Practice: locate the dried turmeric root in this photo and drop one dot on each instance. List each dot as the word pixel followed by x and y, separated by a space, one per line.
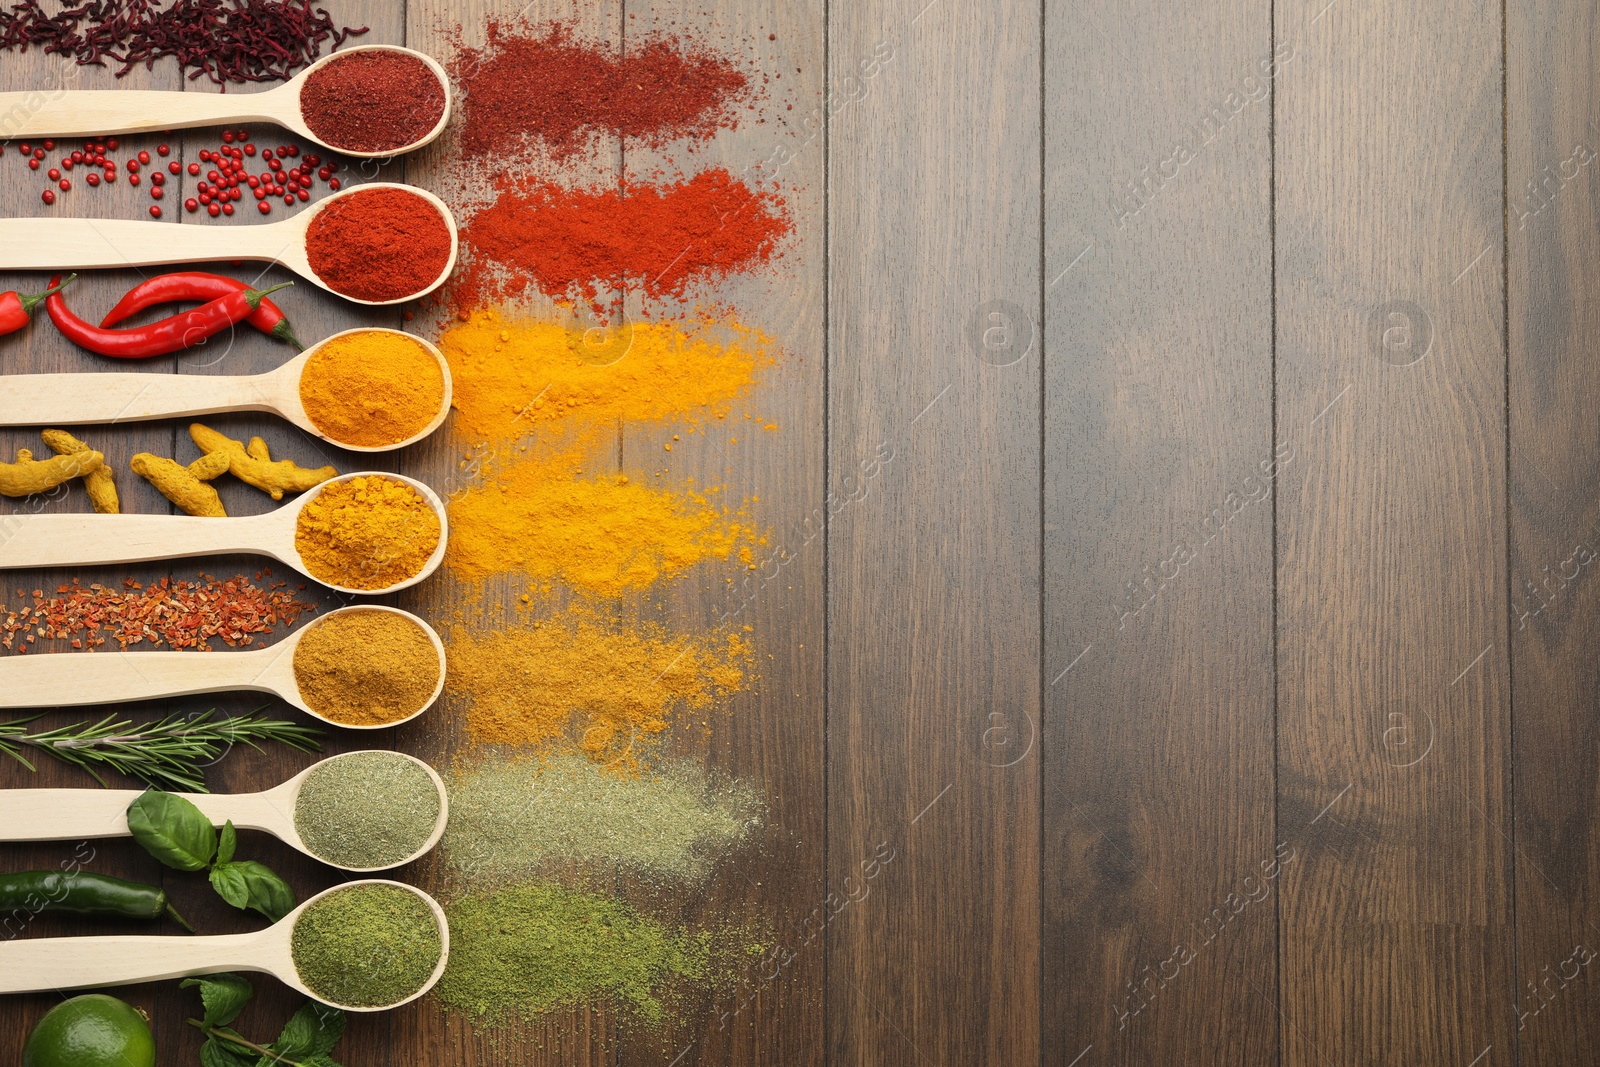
pixel 98 483
pixel 188 486
pixel 255 466
pixel 28 475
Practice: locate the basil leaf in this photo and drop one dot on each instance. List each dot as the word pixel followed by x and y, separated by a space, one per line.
pixel 227 842
pixel 224 996
pixel 216 1053
pixel 172 830
pixel 231 884
pixel 311 1031
pixel 248 884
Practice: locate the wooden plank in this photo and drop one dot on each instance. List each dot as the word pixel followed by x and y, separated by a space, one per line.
pixel 1552 223
pixel 1160 863
pixel 42 349
pixel 932 909
pixel 424 1032
pixel 771 737
pixel 1393 696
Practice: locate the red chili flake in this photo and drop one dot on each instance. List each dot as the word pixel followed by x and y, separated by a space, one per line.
pixel 179 614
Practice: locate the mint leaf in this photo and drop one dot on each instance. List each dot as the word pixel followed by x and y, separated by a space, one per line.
pixel 311 1031
pixel 227 842
pixel 216 1053
pixel 172 830
pixel 223 995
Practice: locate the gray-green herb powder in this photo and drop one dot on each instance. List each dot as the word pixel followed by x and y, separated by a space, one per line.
pixel 367 946
pixel 515 818
pixel 367 809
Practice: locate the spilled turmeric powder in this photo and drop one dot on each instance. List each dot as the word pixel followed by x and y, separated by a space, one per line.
pixel 604 534
pixel 581 682
pixel 512 376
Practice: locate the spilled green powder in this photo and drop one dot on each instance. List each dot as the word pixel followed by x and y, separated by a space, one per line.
pixel 525 950
pixel 517 818
pixel 367 946
pixel 366 810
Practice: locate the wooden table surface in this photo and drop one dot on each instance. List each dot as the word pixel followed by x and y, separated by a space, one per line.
pixel 1208 645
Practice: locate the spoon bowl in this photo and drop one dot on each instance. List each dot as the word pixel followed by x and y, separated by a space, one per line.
pixel 28 541
pixel 92 112
pixel 86 244
pixel 113 677
pixel 82 814
pixel 40 964
pixel 85 399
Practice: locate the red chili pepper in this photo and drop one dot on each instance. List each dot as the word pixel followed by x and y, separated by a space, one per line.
pixel 159 338
pixel 16 310
pixel 198 285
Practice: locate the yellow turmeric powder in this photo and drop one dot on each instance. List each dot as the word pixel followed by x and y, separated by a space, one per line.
pixel 28 475
pixel 511 376
pixel 372 388
pixel 580 681
pixel 606 534
pixel 366 533
pixel 99 483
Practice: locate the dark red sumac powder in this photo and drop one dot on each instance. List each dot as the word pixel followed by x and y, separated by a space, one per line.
pixel 544 83
pixel 378 244
pixel 660 239
pixel 376 100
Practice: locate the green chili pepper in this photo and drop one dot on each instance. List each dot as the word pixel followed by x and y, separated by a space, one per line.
pixel 84 894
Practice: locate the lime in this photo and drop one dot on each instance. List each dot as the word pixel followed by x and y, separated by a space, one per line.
pixel 91 1031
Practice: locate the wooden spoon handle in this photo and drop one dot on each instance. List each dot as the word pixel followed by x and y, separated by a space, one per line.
pixel 81 244
pixel 36 964
pixel 64 814
pixel 87 814
pixel 81 399
pixel 85 540
pixel 89 112
pixel 111 677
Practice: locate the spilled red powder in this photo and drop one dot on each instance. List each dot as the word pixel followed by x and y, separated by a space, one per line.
pixel 570 244
pixel 545 83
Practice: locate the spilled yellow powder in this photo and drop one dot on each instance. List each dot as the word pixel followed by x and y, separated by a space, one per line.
pixel 582 682
pixel 511 376
pixel 605 534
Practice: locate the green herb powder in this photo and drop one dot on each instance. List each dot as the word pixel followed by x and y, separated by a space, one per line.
pixel 366 810
pixel 515 818
pixel 367 946
pixel 530 949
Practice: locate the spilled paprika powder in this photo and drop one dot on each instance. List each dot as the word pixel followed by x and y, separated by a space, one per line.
pixel 663 239
pixel 545 83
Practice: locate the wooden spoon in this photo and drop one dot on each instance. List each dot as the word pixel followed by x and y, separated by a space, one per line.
pixel 88 540
pixel 80 814
pixel 82 244
pixel 81 399
pixel 92 112
pixel 113 677
pixel 40 964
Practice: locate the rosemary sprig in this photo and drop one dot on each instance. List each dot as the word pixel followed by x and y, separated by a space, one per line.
pixel 170 754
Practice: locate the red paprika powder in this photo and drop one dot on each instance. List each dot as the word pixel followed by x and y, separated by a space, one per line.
pixel 661 239
pixel 545 83
pixel 374 100
pixel 378 244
